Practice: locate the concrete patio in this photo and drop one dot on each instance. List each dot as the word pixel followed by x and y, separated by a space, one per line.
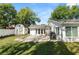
pixel 31 38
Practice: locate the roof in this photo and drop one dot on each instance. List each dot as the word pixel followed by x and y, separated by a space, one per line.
pixel 68 21
pixel 53 21
pixel 74 21
pixel 43 26
pixel 19 25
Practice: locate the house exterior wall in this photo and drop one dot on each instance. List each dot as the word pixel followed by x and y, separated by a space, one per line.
pixel 47 31
pixel 78 31
pixel 59 37
pixel 52 26
pixel 62 31
pixel 32 32
pixel 69 39
pixel 53 29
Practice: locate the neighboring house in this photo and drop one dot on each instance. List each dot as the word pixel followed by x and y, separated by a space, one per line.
pixel 66 30
pixel 39 29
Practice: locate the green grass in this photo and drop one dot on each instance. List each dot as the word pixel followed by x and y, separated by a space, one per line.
pixel 10 39
pixel 6 40
pixel 8 46
pixel 73 47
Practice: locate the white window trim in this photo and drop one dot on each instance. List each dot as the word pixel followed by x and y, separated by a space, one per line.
pixel 72 32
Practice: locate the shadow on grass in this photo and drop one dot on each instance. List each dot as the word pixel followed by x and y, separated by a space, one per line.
pixel 47 48
pixel 52 48
pixel 15 49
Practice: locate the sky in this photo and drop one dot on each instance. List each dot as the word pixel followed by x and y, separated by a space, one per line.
pixel 42 10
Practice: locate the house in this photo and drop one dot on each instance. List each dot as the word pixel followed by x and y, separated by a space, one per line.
pixel 39 29
pixel 67 30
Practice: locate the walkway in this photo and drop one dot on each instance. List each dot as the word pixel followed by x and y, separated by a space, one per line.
pixel 41 38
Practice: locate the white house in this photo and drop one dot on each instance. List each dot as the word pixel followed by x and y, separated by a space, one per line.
pixel 39 29
pixel 67 30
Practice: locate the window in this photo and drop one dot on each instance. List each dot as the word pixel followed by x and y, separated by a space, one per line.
pixel 41 31
pixel 44 31
pixel 38 31
pixel 74 31
pixel 71 31
pixel 68 31
pixel 57 30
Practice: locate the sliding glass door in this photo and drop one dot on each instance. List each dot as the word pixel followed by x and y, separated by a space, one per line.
pixel 71 31
pixel 74 31
pixel 68 31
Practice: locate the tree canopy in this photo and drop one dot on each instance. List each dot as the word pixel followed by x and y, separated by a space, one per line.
pixel 65 12
pixel 10 16
pixel 27 17
pixel 7 15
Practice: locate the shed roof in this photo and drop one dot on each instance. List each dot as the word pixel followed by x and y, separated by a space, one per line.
pixel 19 25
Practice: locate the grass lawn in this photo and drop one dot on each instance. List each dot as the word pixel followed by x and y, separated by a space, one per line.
pixel 10 39
pixel 8 46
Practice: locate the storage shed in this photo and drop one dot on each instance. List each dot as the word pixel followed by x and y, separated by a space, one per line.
pixel 19 29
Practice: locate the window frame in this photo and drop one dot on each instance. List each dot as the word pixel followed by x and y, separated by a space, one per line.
pixel 71 31
pixel 57 30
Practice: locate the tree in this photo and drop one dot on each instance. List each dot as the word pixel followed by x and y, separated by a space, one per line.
pixel 7 15
pixel 74 12
pixel 64 13
pixel 27 17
